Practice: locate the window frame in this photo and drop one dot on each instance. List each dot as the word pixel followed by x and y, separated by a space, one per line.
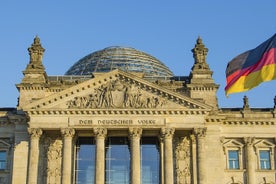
pixel 238 159
pixel 233 145
pixel 265 145
pixel 5 161
pixel 267 161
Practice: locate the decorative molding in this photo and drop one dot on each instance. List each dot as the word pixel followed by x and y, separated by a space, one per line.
pixel 250 122
pixel 135 132
pixel 249 141
pixel 35 132
pixel 167 133
pixel 200 132
pixel 119 112
pixel 193 138
pixel 68 132
pixel 182 157
pixel 100 132
pixel 53 159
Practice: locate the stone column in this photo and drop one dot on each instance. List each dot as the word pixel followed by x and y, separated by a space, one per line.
pixel 67 134
pixel 200 133
pixel 167 134
pixel 161 159
pixel 250 159
pixel 135 135
pixel 194 162
pixel 100 134
pixel 35 134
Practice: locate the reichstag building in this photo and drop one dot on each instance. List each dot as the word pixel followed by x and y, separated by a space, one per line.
pixel 120 116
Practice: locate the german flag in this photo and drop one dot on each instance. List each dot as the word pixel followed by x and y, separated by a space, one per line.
pixel 252 67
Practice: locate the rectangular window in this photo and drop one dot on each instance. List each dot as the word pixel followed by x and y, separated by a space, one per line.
pixel 117 161
pixel 3 160
pixel 233 159
pixel 150 160
pixel 264 159
pixel 85 160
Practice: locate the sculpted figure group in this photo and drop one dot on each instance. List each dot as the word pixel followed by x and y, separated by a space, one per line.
pixel 116 94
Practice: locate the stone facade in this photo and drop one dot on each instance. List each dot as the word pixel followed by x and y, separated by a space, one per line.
pixel 199 143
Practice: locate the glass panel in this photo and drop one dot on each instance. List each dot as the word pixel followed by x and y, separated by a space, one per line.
pixel 233 159
pixel 150 160
pixel 3 160
pixel 85 160
pixel 265 159
pixel 117 163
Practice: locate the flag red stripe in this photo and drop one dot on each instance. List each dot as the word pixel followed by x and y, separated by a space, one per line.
pixel 267 59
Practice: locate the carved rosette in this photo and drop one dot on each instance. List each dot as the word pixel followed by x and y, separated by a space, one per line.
pixel 100 132
pixel 167 133
pixel 182 157
pixel 35 133
pixel 68 132
pixel 135 132
pixel 200 132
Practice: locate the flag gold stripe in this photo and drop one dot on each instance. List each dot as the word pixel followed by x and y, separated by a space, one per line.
pixel 245 83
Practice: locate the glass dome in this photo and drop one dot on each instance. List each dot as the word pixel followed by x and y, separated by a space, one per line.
pixel 123 58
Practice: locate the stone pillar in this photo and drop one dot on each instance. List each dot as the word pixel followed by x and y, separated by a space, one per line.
pixel 194 162
pixel 67 134
pixel 35 134
pixel 135 135
pixel 200 133
pixel 100 134
pixel 161 160
pixel 250 159
pixel 167 134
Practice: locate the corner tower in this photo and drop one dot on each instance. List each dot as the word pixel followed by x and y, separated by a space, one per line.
pixel 202 85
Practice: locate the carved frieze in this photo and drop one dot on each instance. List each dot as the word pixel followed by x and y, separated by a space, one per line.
pixel 117 94
pixel 182 157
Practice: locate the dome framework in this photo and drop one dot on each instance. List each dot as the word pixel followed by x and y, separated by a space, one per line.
pixel 123 58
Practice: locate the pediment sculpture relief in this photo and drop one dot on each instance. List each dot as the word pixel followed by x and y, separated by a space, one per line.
pixel 117 94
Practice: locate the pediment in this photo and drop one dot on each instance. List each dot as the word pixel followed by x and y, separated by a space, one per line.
pixel 5 144
pixel 232 143
pixel 264 144
pixel 116 90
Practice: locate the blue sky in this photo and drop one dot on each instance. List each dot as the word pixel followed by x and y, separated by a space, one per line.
pixel 167 30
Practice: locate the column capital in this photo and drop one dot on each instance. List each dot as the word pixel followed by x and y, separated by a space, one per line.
pixel 249 140
pixel 100 132
pixel 35 132
pixel 200 132
pixel 67 132
pixel 167 132
pixel 193 138
pixel 135 132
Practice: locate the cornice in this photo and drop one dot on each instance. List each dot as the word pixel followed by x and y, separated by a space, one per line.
pixel 243 122
pixel 39 112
